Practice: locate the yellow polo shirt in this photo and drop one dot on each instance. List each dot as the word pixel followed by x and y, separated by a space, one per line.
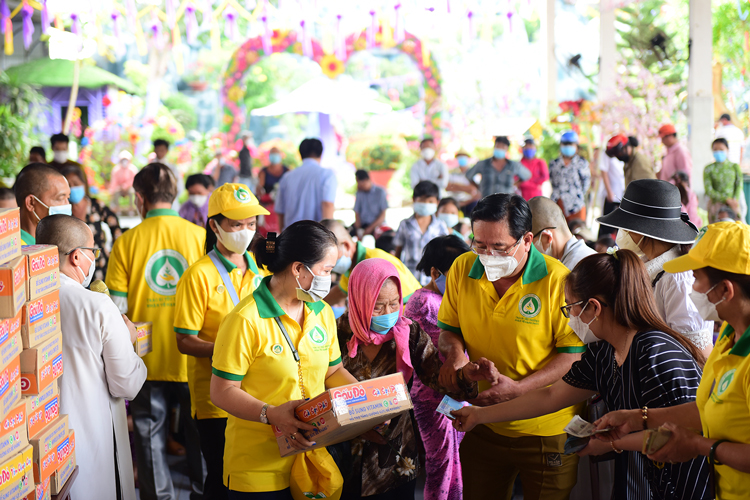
pixel 202 302
pixel 723 400
pixel 144 268
pixel 521 333
pixel 409 283
pixel 251 348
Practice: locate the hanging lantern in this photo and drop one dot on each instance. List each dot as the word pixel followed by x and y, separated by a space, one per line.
pixel 131 12
pixel 306 41
pixel 156 33
pixel 340 48
pixel 119 47
pixel 74 26
pixel 171 14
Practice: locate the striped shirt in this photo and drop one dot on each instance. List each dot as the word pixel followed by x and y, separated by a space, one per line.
pixel 658 372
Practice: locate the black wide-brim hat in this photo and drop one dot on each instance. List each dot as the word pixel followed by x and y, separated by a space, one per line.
pixel 652 208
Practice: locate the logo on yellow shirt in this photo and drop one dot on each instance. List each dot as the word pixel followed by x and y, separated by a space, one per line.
pixel 319 338
pixel 529 305
pixel 277 349
pixel 163 271
pixel 725 382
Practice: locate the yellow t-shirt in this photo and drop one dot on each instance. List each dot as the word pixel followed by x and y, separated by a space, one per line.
pixel 723 400
pixel 144 267
pixel 27 239
pixel 251 348
pixel 521 333
pixel 202 302
pixel 409 283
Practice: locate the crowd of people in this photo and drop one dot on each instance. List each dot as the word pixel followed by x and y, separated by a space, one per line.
pixel 489 292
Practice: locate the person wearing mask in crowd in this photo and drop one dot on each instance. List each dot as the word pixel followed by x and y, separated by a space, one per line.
pixel 121 181
pixel 733 135
pixel 376 339
pixel 552 236
pixel 161 150
pixel 570 177
pixel 309 191
pixel 37 154
pixel 40 191
pixel 604 243
pixel 351 253
pixel 255 377
pixel 222 171
pixel 499 174
pixel 715 424
pixel 538 168
pixel 459 188
pixel 145 266
pixel 101 368
pixel 506 285
pixel 428 167
pixel 722 180
pixel 637 166
pixel 415 232
pixel 633 359
pixel 199 188
pixel 102 221
pixel 650 224
pixel 677 158
pixel 246 162
pixel 449 212
pixel 688 198
pixel 7 198
pixel 370 205
pixel 268 179
pixel 441 441
pixel 199 309
pixel 60 152
pixel 612 186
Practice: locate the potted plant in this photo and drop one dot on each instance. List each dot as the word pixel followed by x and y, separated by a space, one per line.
pixel 381 156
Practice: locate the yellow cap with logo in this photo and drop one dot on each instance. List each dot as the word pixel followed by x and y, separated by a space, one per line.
pixel 724 246
pixel 234 201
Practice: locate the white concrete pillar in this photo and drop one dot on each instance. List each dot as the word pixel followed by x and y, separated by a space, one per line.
pixel 548 96
pixel 700 91
pixel 607 50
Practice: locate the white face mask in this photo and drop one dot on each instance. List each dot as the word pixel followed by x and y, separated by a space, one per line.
pixel 582 329
pixel 319 288
pixel 624 241
pixel 706 308
pixel 60 156
pixel 87 277
pixel 428 154
pixel 538 244
pixel 499 266
pixel 198 199
pixel 236 241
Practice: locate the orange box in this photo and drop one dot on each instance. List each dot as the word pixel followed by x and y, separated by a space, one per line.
pixel 345 412
pixel 13 435
pixel 21 489
pixel 62 474
pixel 66 448
pixel 41 319
pixel 12 287
pixel 10 234
pixel 43 265
pixel 41 365
pixel 42 409
pixel 143 343
pixel 45 448
pixel 15 467
pixel 10 387
pixel 40 492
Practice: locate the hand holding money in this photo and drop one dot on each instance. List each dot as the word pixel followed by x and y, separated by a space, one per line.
pixel 580 428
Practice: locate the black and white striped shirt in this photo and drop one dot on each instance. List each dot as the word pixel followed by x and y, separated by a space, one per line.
pixel 658 372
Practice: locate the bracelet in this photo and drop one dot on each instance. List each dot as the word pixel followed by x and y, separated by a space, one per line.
pixel 712 454
pixel 644 412
pixel 614 448
pixel 263 414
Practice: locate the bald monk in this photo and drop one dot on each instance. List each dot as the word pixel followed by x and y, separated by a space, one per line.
pixel 101 367
pixel 40 191
pixel 552 236
pixel 352 253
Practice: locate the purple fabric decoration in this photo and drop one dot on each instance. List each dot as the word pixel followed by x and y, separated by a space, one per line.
pixel 131 14
pixel 207 10
pixel 28 25
pixel 120 46
pixel 373 29
pixel 470 16
pixel 191 24
pixel 266 38
pixel 398 31
pixel 74 28
pixel 170 8
pixel 45 17
pixel 307 50
pixel 510 23
pixel 230 24
pixel 340 42
pixel 448 6
pixel 156 34
pixel 4 14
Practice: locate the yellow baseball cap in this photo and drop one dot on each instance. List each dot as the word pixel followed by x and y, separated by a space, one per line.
pixel 234 201
pixel 724 246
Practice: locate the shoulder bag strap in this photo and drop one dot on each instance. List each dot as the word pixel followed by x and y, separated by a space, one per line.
pixel 224 277
pixel 294 353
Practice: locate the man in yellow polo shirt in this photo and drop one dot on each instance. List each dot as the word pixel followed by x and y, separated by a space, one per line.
pixel 40 191
pixel 145 265
pixel 503 302
pixel 351 254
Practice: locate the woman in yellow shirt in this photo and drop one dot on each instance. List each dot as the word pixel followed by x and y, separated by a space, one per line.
pixel 207 292
pixel 276 348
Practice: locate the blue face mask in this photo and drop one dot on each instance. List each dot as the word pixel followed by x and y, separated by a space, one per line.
pixel 499 154
pixel 529 153
pixel 424 209
pixel 274 158
pixel 568 150
pixel 342 265
pixel 463 161
pixel 383 324
pixel 76 194
pixel 720 156
pixel 440 284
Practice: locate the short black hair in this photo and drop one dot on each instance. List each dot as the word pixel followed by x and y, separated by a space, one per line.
pixel 156 183
pixel 725 116
pixel 607 241
pixel 361 175
pixel 311 148
pixel 529 141
pixel 448 201
pixel 441 252
pixel 511 208
pixel 304 241
pixel 161 142
pixel 426 189
pixel 59 138
pixel 385 241
pixel 38 150
pixel 501 139
pixel 7 194
pixel 728 210
pixel 633 141
pixel 32 179
pixel 721 140
pixel 204 180
pixel 426 139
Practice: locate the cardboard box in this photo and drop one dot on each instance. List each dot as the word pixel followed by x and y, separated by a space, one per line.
pixel 41 365
pixel 343 413
pixel 13 434
pixel 12 287
pixel 42 409
pixel 10 234
pixel 15 467
pixel 143 343
pixel 22 489
pixel 41 319
pixel 61 476
pixel 10 338
pixel 65 449
pixel 45 448
pixel 10 386
pixel 40 491
pixel 43 265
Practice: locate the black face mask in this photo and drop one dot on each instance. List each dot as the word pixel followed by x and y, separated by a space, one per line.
pixel 623 157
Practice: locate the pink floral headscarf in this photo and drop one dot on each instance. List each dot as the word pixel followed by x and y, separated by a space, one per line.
pixel 365 283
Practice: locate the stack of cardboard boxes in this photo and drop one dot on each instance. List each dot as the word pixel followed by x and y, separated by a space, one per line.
pixel 37 447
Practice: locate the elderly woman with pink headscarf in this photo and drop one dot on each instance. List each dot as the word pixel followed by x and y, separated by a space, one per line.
pixel 377 340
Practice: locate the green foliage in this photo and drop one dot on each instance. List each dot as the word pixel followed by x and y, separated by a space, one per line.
pixel 167 127
pixel 728 39
pixel 276 75
pixel 137 72
pixel 378 153
pixel 202 152
pixel 19 111
pixel 182 110
pixel 208 67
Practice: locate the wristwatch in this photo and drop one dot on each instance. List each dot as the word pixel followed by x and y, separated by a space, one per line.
pixel 263 416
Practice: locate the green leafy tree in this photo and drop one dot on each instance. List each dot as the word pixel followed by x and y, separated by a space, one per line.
pixel 182 110
pixel 20 107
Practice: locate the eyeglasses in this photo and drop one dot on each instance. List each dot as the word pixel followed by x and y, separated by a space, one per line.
pixel 566 308
pixel 492 252
pixel 544 229
pixel 97 251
